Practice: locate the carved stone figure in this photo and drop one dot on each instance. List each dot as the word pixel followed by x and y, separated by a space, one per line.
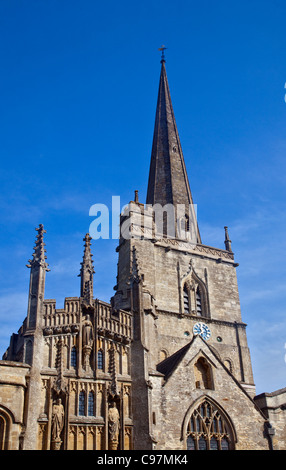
pixel 113 426
pixel 87 342
pixel 57 423
pixel 87 332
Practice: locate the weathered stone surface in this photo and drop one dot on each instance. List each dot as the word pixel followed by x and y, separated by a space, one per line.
pixel 166 365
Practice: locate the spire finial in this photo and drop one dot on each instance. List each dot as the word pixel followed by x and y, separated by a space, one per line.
pixel 168 180
pixel 162 49
pixel 39 255
pixel 227 241
pixel 136 199
pixel 87 271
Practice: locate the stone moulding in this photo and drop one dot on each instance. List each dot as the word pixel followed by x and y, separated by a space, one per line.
pixel 201 318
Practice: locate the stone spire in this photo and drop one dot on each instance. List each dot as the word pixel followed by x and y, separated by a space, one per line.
pixel 38 266
pixel 87 271
pixel 39 257
pixel 33 337
pixel 168 179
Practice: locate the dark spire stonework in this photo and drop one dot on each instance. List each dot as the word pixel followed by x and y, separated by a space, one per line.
pixel 227 240
pixel 87 271
pixel 39 257
pixel 39 267
pixel 168 180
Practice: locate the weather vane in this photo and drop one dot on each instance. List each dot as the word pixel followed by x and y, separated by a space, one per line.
pixel 162 49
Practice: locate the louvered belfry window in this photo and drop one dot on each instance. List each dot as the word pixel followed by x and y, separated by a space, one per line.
pixel 186 300
pixel 198 302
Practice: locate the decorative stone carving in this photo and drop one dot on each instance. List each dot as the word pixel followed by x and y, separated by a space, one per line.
pixel 113 426
pixel 87 341
pixel 87 332
pixel 57 424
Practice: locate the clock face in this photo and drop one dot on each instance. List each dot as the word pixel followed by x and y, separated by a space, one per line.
pixel 202 330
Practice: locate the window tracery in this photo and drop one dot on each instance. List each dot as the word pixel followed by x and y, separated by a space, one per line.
pixel 195 296
pixel 5 424
pixel 208 429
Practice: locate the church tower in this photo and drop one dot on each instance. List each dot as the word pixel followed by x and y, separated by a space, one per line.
pixel 184 298
pixel 165 365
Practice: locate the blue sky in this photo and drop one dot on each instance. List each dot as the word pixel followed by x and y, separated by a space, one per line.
pixel 79 84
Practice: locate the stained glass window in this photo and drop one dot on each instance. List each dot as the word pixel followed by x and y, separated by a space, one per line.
pixel 208 429
pixel 191 443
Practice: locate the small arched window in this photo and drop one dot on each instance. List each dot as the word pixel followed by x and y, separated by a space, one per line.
pixel 73 358
pixel 203 374
pixel 81 403
pixel 5 429
pixel 90 410
pixel 162 355
pixel 194 296
pixel 100 359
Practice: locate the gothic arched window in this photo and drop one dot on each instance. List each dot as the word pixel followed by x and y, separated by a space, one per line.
pixel 203 374
pixel 195 297
pixel 73 357
pixel 90 410
pixel 81 403
pixel 100 359
pixel 5 425
pixel 208 429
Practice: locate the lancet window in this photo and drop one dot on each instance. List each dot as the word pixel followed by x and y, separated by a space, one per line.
pixel 91 404
pixel 73 357
pixel 81 403
pixel 5 424
pixel 203 374
pixel 100 359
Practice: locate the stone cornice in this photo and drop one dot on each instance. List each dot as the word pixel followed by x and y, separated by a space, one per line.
pixel 203 319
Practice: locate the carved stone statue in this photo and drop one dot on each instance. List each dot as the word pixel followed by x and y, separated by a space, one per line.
pixel 87 341
pixel 113 426
pixel 87 332
pixel 57 423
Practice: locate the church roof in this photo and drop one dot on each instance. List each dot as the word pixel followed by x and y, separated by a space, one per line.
pixel 169 364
